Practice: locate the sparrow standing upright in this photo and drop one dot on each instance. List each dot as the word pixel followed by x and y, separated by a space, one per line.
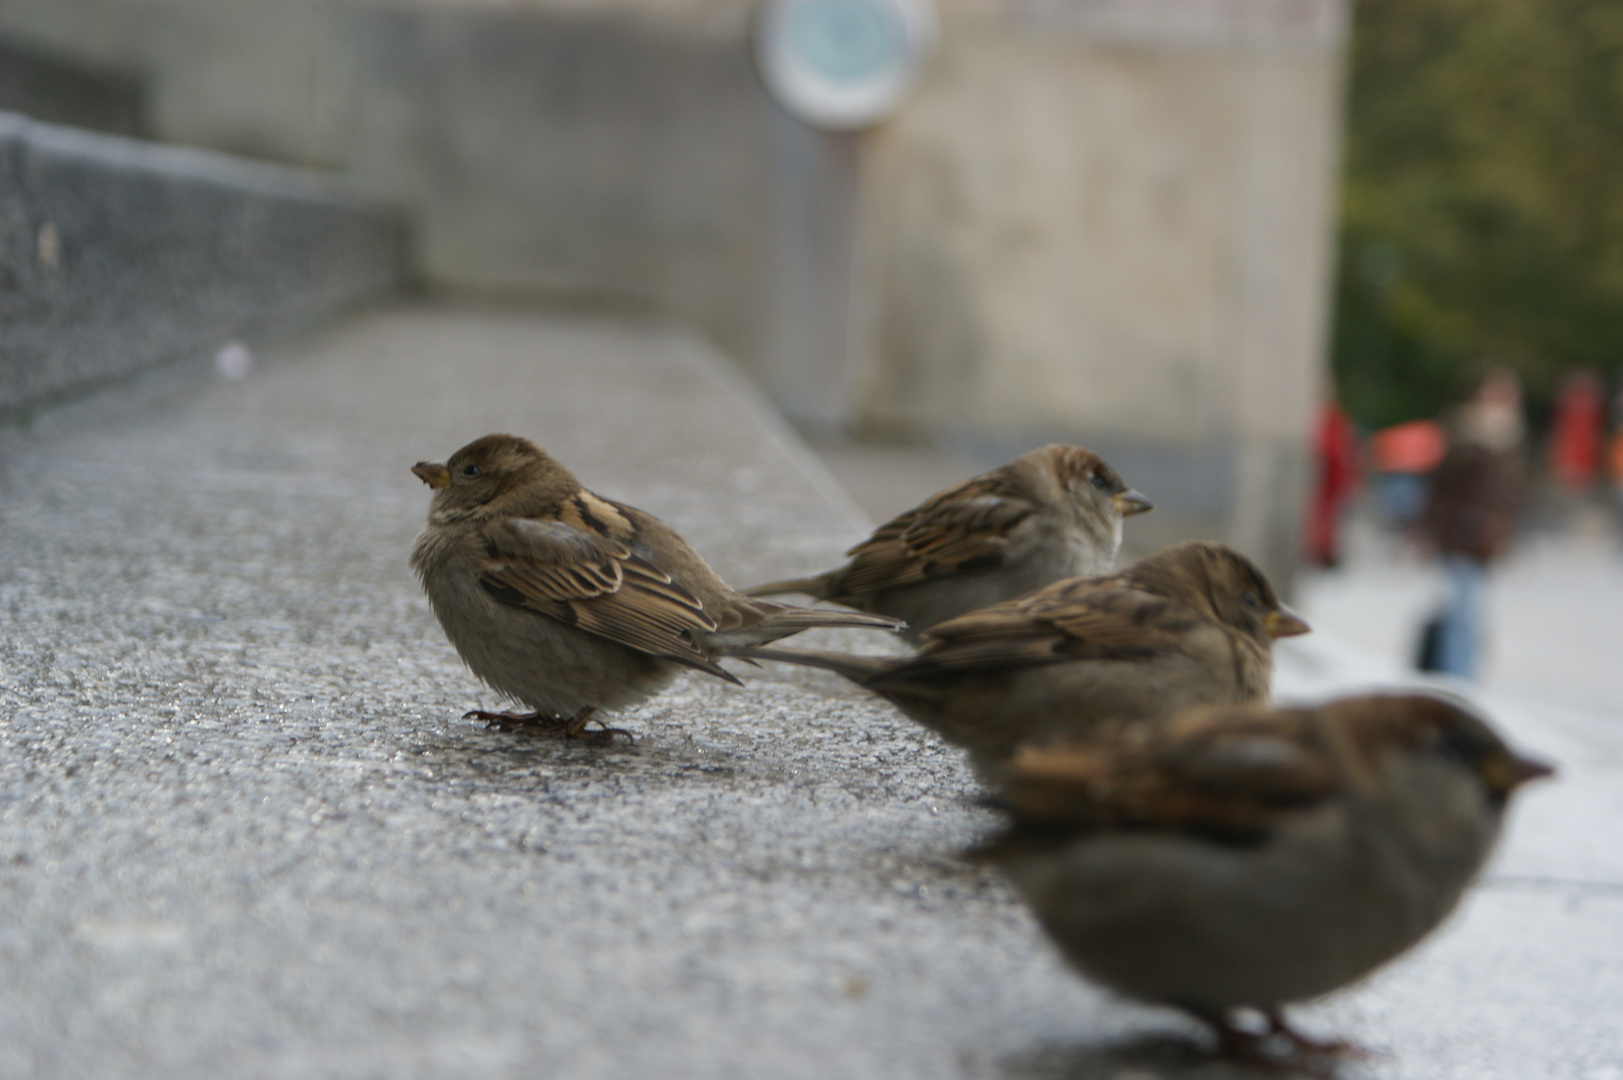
pixel 569 602
pixel 1233 858
pixel 1190 624
pixel 1052 513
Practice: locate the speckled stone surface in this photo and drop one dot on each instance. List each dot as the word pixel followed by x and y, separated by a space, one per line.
pixel 244 831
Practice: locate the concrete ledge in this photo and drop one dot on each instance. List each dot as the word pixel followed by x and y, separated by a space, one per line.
pixel 245 833
pixel 117 254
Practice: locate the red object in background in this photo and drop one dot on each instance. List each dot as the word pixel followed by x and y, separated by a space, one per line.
pixel 1415 447
pixel 1575 431
pixel 1337 480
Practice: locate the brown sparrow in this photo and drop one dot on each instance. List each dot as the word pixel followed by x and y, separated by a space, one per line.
pixel 1190 624
pixel 1236 858
pixel 569 602
pixel 1052 513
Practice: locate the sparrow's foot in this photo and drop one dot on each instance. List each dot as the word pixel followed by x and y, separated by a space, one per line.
pixel 1260 1049
pixel 1308 1045
pixel 513 721
pixel 575 728
pixel 540 723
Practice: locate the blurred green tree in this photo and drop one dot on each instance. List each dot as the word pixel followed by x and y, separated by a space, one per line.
pixel 1482 213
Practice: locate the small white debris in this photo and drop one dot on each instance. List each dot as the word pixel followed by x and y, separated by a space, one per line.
pixel 49 248
pixel 234 361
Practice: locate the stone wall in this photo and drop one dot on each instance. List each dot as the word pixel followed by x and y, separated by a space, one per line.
pixel 587 153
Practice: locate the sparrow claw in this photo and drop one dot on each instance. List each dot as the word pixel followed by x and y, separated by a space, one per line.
pixel 1308 1045
pixel 602 735
pixel 576 728
pixel 1259 1049
pixel 512 721
pixel 570 727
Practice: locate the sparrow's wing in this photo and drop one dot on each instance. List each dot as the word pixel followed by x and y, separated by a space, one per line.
pixel 594 582
pixel 1089 619
pixel 1220 773
pixel 964 528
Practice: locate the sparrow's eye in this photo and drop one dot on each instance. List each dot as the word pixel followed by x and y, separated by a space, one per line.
pixel 1101 482
pixel 1249 599
pixel 470 470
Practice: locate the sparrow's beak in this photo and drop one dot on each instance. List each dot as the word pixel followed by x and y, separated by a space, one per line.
pixel 433 474
pixel 1284 623
pixel 1130 502
pixel 1504 773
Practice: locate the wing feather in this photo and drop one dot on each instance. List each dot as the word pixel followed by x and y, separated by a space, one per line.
pixel 1082 619
pixel 1224 773
pixel 960 528
pixel 595 582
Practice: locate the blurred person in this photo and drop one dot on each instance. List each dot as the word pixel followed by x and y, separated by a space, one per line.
pixel 1404 454
pixel 1337 445
pixel 1614 455
pixel 1575 432
pixel 1474 499
pixel 1614 467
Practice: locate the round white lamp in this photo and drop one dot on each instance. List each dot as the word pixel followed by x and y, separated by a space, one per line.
pixel 843 65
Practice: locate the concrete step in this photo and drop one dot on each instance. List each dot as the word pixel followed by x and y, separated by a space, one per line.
pixel 116 255
pixel 244 831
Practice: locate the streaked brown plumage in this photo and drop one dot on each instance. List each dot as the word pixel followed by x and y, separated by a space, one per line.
pixel 569 602
pixel 1190 624
pixel 1052 513
pixel 1236 857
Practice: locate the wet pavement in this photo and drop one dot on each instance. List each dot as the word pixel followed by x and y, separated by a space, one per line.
pixel 244 831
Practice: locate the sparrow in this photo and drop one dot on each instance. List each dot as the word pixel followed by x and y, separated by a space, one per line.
pixel 569 602
pixel 1052 513
pixel 1227 859
pixel 1190 624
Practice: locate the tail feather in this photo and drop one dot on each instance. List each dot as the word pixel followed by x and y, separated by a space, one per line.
pixel 809 586
pixel 855 668
pixel 779 621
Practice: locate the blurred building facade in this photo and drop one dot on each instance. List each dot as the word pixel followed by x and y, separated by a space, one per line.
pixel 1103 221
pixel 1113 222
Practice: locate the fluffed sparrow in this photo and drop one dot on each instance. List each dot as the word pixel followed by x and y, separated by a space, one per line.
pixel 1190 624
pixel 1238 858
pixel 569 602
pixel 1052 513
